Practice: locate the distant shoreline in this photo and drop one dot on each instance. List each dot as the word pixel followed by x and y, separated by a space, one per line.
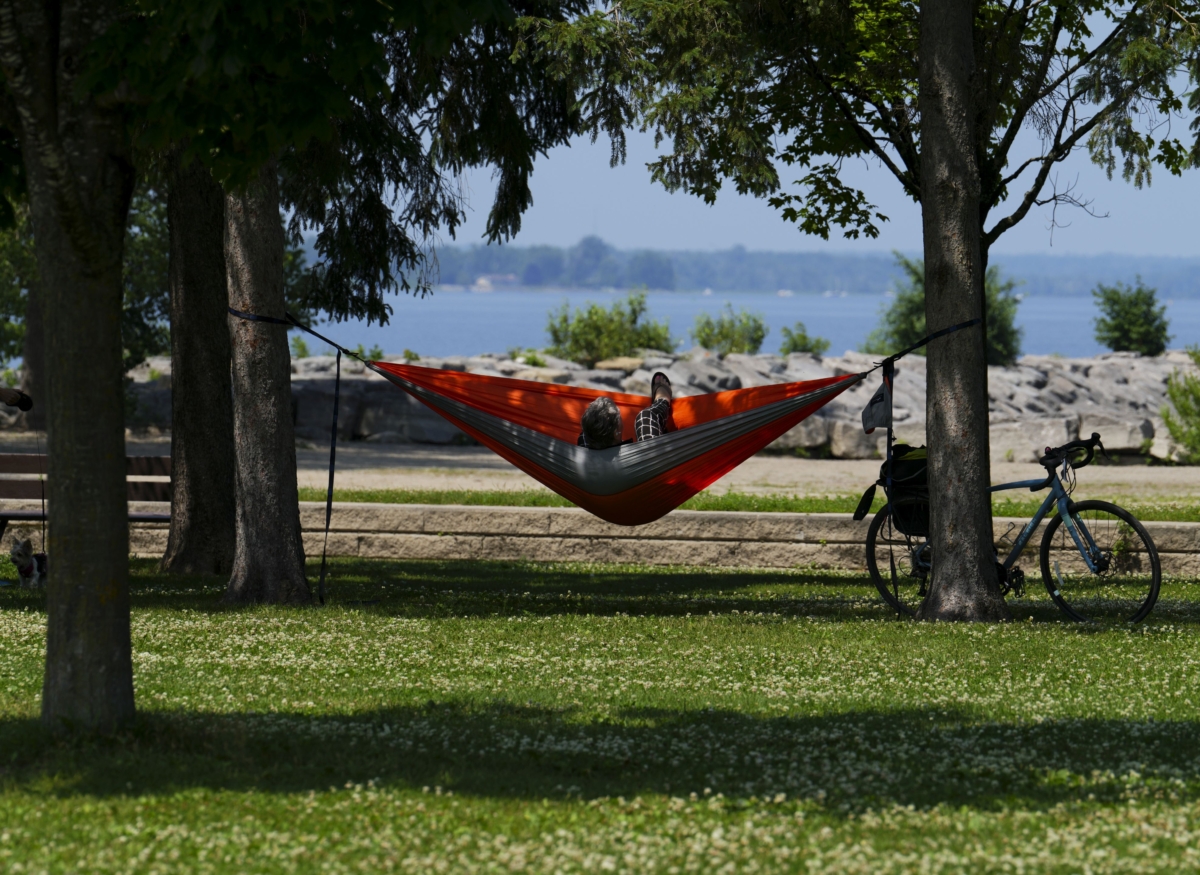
pixel 594 266
pixel 613 290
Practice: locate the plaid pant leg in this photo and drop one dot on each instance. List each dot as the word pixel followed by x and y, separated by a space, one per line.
pixel 652 422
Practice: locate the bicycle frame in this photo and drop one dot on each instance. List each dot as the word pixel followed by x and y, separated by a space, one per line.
pixel 1057 498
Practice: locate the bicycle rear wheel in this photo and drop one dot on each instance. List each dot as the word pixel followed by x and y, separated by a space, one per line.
pixel 910 557
pixel 1124 585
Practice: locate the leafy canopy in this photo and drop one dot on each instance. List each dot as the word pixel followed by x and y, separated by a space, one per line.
pixel 1131 319
pixel 372 112
pixel 739 88
pixel 145 312
pixel 592 335
pixel 146 306
pixel 18 273
pixel 903 322
pixel 730 332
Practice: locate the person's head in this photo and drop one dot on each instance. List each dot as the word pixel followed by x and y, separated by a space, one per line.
pixel 602 424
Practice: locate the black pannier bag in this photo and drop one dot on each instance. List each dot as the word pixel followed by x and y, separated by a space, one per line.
pixel 909 495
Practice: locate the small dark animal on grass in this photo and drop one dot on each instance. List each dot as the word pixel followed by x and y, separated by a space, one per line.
pixel 30 566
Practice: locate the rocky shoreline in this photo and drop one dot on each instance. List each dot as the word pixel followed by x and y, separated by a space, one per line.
pixel 1042 400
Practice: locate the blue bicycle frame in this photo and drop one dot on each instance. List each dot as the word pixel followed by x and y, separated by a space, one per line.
pixel 1057 497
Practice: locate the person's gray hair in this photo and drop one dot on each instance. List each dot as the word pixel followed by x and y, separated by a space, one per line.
pixel 602 424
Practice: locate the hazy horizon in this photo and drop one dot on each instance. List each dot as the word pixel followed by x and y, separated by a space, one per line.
pixel 839 253
pixel 577 194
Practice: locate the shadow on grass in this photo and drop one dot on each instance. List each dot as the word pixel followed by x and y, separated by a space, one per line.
pixel 846 762
pixel 431 589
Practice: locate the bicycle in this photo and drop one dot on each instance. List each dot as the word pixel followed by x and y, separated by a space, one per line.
pixel 1097 560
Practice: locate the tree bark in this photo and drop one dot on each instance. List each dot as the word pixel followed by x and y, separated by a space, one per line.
pixel 203 506
pixel 33 369
pixel 964 584
pixel 80 179
pixel 268 563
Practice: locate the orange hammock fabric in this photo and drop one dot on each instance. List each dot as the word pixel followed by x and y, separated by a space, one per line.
pixel 714 433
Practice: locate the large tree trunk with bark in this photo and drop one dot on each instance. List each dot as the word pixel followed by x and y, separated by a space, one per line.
pixel 33 368
pixel 964 584
pixel 268 563
pixel 203 507
pixel 77 161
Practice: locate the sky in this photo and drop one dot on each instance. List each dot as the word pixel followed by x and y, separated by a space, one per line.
pixel 576 193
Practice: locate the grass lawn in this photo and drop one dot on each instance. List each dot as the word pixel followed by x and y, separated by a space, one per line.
pixel 1183 510
pixel 497 717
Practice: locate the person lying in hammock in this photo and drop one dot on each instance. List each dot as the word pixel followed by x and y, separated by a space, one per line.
pixel 602 420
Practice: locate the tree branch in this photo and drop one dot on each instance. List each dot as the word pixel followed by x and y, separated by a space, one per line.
pixel 1087 59
pixel 1023 106
pixel 1066 197
pixel 1061 149
pixel 906 178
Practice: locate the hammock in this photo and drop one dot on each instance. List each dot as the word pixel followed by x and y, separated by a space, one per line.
pixel 535 425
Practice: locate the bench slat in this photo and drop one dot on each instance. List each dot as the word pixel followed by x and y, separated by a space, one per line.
pixel 148 490
pixel 22 463
pixel 20 489
pixel 148 466
pixel 34 463
pixel 136 490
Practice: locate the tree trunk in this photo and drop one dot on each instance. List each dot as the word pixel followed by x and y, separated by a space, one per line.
pixel 964 584
pixel 268 564
pixel 33 369
pixel 80 178
pixel 203 507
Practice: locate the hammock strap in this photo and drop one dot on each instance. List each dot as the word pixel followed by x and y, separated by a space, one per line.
pixel 924 340
pixel 889 375
pixel 337 386
pixel 292 322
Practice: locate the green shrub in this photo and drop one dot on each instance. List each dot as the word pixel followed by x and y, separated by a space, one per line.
pixel 588 336
pixel 730 332
pixel 797 340
pixel 375 353
pixel 1183 391
pixel 903 323
pixel 527 357
pixel 1131 319
pixel 410 356
pixel 299 348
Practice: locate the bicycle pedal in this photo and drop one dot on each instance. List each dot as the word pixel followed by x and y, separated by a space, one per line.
pixel 1016 581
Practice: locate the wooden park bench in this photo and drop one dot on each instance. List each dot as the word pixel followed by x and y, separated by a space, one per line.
pixel 13 486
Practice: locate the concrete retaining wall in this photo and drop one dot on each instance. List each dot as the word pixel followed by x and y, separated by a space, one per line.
pixel 761 540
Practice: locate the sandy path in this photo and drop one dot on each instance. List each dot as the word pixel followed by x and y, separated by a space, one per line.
pixel 424 467
pixel 418 466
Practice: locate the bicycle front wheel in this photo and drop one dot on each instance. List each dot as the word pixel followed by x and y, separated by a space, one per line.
pixel 1124 580
pixel 899 564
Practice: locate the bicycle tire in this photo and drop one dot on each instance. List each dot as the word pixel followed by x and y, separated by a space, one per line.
pixel 900 549
pixel 1126 589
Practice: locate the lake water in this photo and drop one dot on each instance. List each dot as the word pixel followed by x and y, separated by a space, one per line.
pixel 467 323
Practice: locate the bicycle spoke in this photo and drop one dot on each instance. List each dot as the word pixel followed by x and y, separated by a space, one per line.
pixel 1123 580
pixel 898 564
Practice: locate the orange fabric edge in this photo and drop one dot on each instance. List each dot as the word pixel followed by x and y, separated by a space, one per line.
pixel 557 410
